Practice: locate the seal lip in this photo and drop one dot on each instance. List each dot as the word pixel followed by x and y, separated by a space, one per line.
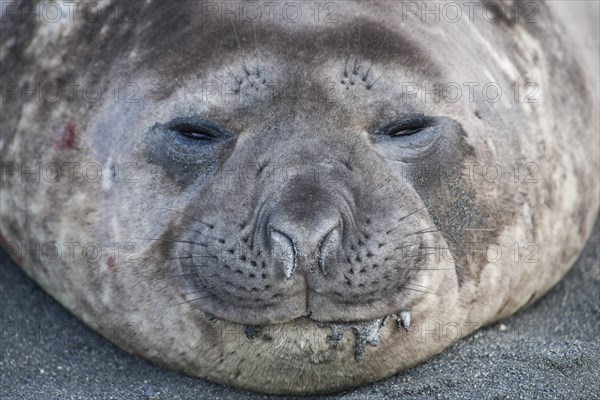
pixel 290 308
pixel 308 317
pixel 319 309
pixel 323 309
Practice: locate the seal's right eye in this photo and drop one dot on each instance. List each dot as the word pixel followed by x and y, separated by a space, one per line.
pixel 410 137
pixel 200 130
pixel 189 148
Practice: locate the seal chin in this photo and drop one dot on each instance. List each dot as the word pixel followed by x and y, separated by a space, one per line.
pixel 365 331
pixel 365 319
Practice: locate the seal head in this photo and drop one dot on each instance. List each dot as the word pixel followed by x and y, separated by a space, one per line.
pixel 293 207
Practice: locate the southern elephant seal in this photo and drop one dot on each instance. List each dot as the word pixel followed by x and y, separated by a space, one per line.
pixel 300 202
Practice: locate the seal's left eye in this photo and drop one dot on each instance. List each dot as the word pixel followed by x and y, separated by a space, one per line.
pixel 406 126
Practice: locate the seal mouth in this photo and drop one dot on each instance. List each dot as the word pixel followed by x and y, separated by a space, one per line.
pixel 366 332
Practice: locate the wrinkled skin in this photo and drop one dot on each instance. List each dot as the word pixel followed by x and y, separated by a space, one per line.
pixel 281 206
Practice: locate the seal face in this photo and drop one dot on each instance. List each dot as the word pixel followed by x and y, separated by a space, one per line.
pixel 318 243
pixel 296 200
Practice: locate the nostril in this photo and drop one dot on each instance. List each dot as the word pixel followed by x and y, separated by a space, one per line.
pixel 328 248
pixel 301 239
pixel 283 249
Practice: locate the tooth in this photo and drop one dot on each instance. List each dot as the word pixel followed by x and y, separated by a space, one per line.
pixel 404 320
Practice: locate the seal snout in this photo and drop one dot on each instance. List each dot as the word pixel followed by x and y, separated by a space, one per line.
pixel 310 243
pixel 303 227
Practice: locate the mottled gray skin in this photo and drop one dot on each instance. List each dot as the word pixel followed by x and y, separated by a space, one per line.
pixel 275 255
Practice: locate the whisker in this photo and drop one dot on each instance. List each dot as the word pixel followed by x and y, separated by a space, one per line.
pixel 209 226
pixel 416 284
pixel 370 85
pixel 472 229
pixel 202 234
pixel 418 255
pixel 366 75
pixel 417 290
pixel 412 213
pixel 175 258
pixel 426 230
pixel 256 50
pixel 403 218
pixel 347 58
pixel 357 57
pixel 238 81
pixel 420 231
pixel 219 79
pixel 351 152
pixel 174 241
pixel 187 215
pixel 239 46
pixel 182 275
pixel 189 301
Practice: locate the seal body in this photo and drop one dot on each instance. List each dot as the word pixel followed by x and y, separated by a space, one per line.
pixel 297 204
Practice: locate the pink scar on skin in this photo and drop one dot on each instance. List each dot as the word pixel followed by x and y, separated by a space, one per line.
pixel 67 138
pixel 111 263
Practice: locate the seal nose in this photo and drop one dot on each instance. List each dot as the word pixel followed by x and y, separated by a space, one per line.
pixel 311 241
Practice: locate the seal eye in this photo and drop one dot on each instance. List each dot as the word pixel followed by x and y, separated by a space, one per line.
pixel 406 126
pixel 409 137
pixel 405 131
pixel 196 131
